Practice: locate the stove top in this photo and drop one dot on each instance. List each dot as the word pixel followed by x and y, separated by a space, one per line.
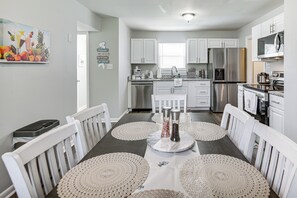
pixel 264 87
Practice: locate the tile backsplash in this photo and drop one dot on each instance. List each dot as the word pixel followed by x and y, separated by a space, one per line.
pixel 274 66
pixel 154 68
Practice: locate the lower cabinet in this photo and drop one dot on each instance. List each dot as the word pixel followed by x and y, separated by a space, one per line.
pixel 240 97
pixel 276 112
pixel 198 92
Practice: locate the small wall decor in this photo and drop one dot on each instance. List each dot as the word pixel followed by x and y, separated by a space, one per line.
pixel 23 44
pixel 103 55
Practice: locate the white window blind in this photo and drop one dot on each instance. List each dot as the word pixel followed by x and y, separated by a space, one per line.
pixel 172 54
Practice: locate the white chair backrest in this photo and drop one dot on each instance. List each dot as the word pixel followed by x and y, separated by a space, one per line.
pixel 36 167
pixel 239 125
pixel 276 157
pixel 176 101
pixel 91 122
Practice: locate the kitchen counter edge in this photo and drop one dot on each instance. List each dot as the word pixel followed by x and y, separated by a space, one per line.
pixel 184 79
pixel 277 93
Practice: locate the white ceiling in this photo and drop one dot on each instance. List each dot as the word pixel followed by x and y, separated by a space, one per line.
pixel 165 15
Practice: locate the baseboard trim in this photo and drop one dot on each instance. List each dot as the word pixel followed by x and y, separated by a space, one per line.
pixel 117 119
pixel 8 192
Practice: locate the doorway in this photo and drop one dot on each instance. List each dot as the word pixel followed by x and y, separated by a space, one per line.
pixel 82 71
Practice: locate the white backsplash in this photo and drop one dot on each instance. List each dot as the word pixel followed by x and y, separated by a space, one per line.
pixel 274 66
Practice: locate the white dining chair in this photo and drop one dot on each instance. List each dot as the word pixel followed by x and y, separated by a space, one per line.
pixel 275 158
pixel 176 101
pixel 37 167
pixel 239 125
pixel 91 120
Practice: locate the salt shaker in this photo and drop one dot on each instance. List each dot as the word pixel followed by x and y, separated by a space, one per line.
pixel 166 118
pixel 175 125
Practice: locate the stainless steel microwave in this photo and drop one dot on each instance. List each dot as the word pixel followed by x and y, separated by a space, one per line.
pixel 271 47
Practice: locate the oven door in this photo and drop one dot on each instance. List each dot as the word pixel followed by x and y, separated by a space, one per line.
pixel 262 107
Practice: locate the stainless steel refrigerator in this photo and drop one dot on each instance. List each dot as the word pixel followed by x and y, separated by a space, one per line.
pixel 226 68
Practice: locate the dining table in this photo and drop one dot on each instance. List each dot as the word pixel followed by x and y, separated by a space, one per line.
pixel 109 144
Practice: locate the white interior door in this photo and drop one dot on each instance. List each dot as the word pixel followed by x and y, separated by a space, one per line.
pixel 82 71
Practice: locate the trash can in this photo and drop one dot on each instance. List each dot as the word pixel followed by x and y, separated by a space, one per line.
pixel 31 131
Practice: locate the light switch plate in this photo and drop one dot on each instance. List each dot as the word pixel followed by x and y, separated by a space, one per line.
pixel 109 66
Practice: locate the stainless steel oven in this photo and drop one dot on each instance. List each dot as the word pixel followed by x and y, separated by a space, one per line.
pixel 262 104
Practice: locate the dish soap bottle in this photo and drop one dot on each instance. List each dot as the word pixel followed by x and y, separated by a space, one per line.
pixel 159 74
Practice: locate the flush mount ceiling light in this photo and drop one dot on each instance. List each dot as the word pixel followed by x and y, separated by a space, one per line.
pixel 188 16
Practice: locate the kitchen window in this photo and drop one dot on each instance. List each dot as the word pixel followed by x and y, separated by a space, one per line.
pixel 172 54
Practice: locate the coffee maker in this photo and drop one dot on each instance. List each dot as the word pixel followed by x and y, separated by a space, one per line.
pixel 137 73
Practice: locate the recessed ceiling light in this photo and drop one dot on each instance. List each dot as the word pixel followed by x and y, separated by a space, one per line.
pixel 188 16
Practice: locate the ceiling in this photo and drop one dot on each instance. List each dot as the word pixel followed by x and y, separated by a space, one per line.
pixel 165 15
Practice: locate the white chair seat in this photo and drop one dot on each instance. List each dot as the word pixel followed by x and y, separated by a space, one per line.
pixel 91 121
pixel 276 157
pixel 176 101
pixel 239 127
pixel 37 167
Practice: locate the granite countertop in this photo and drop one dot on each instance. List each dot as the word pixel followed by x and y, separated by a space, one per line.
pixel 170 79
pixel 277 93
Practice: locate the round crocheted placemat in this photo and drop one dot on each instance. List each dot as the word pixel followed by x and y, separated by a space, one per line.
pixel 158 193
pixel 222 176
pixel 204 131
pixel 135 130
pixel 184 118
pixel 109 175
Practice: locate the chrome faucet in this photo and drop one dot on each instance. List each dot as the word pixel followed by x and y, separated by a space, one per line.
pixel 173 68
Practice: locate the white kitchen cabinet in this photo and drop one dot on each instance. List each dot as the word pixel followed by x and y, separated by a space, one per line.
pixel 240 97
pixel 256 34
pixel 276 112
pixel 143 51
pixel 199 94
pixel 222 43
pixel 273 25
pixel 167 87
pixel 196 51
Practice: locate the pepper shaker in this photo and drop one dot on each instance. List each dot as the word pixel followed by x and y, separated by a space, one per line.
pixel 175 125
pixel 166 118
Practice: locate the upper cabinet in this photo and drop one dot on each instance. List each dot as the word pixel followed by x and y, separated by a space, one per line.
pixel 196 51
pixel 256 33
pixel 274 25
pixel 222 43
pixel 269 27
pixel 143 51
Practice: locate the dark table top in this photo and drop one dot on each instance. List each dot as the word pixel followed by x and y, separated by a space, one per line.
pixel 109 144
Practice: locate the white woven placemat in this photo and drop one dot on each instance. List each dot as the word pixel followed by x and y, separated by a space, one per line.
pixel 109 175
pixel 184 118
pixel 135 130
pixel 222 176
pixel 158 193
pixel 204 131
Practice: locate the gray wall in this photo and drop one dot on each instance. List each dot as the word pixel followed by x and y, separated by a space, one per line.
pixel 31 92
pixel 110 85
pixel 104 82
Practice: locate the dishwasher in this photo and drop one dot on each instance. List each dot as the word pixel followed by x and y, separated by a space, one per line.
pixel 141 95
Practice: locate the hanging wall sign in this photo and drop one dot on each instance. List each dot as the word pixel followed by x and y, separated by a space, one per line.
pixel 103 54
pixel 23 44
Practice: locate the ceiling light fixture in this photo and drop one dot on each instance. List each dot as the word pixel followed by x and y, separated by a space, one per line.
pixel 188 16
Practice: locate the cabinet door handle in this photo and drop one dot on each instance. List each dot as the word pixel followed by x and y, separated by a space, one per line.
pixel 275 102
pixel 202 84
pixel 202 91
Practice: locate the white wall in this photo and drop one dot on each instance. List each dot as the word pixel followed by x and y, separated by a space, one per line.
pixel 247 29
pixel 290 69
pixel 30 92
pixel 124 65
